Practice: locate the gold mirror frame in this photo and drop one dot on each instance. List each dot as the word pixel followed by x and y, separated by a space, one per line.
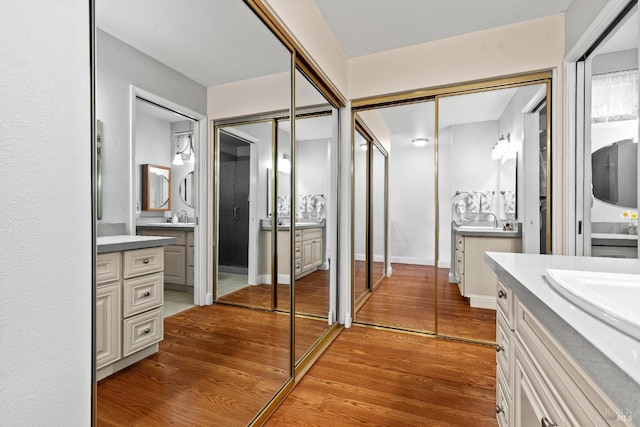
pixel 434 94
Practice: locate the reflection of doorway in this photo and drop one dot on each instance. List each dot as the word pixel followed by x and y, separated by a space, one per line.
pixel 235 174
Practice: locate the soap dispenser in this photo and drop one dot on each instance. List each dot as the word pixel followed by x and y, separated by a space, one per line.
pixel 174 219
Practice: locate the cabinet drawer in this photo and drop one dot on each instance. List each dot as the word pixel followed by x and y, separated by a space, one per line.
pixel 311 233
pixel 142 293
pixel 143 261
pixel 298 235
pixel 190 275
pixel 298 266
pixel 506 304
pixel 177 234
pixel 141 331
pixel 189 256
pixel 108 324
pixel 107 267
pixel 503 400
pixel 298 250
pixel 504 348
pixel 190 238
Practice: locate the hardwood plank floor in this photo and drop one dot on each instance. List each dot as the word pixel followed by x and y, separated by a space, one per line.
pixel 376 377
pixel 406 299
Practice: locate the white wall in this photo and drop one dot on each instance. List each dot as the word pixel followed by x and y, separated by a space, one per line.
pixel 113 108
pixel 313 167
pixel 45 187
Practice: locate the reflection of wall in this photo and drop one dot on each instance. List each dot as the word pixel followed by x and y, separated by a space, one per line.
pixel 118 67
pixel 313 167
pixel 360 202
pixel 603 134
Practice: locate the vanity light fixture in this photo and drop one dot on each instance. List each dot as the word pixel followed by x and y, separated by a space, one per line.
pixel 420 142
pixel 284 164
pixel 503 149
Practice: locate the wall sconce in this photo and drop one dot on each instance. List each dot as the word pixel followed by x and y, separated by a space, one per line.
pixel 284 164
pixel 184 148
pixel 420 142
pixel 503 149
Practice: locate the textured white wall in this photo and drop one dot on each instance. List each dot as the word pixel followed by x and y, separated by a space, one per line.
pixel 113 108
pixel 45 238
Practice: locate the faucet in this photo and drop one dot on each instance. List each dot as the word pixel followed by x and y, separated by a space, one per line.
pixel 183 216
pixel 495 219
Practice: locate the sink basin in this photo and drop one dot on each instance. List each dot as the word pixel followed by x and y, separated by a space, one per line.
pixel 611 297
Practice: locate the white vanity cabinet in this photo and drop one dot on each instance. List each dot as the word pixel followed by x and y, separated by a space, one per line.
pixel 178 258
pixel 129 320
pixel 312 247
pixel 538 383
pixel 308 256
pixel 475 279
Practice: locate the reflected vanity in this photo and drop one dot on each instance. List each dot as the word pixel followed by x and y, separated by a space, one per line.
pixel 156 188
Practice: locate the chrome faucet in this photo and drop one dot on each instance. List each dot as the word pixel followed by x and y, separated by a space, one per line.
pixel 183 216
pixel 495 219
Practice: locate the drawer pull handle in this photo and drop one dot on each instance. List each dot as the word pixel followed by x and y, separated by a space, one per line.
pixel 499 409
pixel 145 261
pixel 544 422
pixel 146 331
pixel 146 294
pixel 499 348
pixel 502 294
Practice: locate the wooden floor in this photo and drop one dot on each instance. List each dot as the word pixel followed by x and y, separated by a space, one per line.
pixel 217 365
pixel 312 295
pixel 406 300
pixel 381 378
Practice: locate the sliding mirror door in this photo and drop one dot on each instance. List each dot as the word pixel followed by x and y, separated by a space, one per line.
pixel 490 167
pixel 402 191
pixel 360 221
pixel 316 215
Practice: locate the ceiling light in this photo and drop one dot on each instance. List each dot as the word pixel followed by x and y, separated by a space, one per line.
pixel 284 164
pixel 420 142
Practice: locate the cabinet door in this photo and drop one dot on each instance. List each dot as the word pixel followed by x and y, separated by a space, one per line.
pixel 175 268
pixel 108 324
pixel 307 255
pixel 316 252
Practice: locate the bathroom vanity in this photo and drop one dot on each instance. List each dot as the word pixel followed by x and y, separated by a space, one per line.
pixel 474 278
pixel 178 257
pixel 556 363
pixel 129 299
pixel 309 248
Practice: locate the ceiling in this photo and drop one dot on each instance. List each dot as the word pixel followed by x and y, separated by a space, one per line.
pixel 363 27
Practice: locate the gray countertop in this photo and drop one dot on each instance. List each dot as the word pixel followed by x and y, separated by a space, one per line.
pixel 610 357
pixel 128 242
pixel 167 226
pixel 488 232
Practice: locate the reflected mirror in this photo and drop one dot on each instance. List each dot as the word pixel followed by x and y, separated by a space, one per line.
pixel 186 189
pixel 360 213
pixel 614 171
pixel 156 188
pixel 378 215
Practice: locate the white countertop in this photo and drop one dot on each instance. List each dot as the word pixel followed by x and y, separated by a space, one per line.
pixel 128 242
pixel 610 357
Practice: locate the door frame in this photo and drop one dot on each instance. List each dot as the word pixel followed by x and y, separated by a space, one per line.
pixel 201 296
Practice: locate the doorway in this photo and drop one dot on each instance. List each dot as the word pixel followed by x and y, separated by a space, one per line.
pixel 234 203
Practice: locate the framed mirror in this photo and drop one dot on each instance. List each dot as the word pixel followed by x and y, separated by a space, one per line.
pixel 186 189
pixel 156 188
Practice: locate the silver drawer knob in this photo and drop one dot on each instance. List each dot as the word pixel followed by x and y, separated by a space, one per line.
pixel 499 409
pixel 146 294
pixel 544 422
pixel 146 331
pixel 499 348
pixel 145 261
pixel 502 294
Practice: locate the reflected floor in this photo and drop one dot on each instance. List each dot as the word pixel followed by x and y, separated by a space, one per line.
pixel 406 300
pixel 176 301
pixel 230 282
pixel 312 295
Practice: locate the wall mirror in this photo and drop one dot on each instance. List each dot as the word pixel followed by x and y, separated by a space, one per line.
pixel 284 189
pixel 614 171
pixel 360 221
pixel 156 188
pixel 187 189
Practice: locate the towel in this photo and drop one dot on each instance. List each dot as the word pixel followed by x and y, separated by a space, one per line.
pixel 486 201
pixel 474 202
pixel 509 202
